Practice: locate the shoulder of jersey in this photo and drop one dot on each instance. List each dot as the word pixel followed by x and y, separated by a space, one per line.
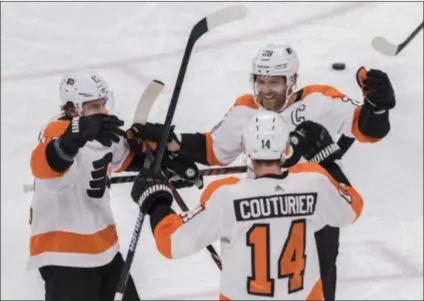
pixel 314 168
pixel 323 90
pixel 55 128
pixel 215 185
pixel 246 100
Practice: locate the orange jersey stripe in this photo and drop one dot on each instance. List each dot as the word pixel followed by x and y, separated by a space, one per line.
pixel 246 100
pixel 55 128
pixel 213 186
pixel 357 133
pixel 357 202
pixel 39 165
pixel 163 232
pixel 210 154
pixel 322 89
pixel 68 242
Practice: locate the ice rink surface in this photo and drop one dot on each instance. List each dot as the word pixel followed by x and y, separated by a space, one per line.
pixel 130 44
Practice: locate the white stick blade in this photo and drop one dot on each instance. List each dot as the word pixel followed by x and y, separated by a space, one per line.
pixel 225 15
pixel 382 45
pixel 146 101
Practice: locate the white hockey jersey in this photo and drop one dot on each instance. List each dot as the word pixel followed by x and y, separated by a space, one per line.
pixel 266 227
pixel 319 103
pixel 72 222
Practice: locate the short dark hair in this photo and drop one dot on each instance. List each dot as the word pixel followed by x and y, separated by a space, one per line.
pixel 68 108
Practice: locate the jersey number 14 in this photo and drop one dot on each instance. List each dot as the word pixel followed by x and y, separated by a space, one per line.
pixel 291 262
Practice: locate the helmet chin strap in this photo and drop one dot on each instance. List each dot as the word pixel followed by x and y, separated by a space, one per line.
pixel 291 88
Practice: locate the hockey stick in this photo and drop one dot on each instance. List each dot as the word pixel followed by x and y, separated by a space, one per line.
pixel 140 116
pixel 202 172
pixel 218 18
pixel 382 45
pixel 215 171
pixel 344 143
pixel 215 19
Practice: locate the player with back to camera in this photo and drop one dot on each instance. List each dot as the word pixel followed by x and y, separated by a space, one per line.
pixel 266 224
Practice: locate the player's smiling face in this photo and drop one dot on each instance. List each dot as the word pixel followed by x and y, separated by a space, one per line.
pixel 270 91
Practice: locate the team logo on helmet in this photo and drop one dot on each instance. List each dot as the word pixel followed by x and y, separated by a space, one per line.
pixel 267 53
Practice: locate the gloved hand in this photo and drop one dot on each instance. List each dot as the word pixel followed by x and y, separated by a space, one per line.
pixel 149 190
pixel 101 127
pixel 377 89
pixel 314 143
pixel 152 132
pixel 181 172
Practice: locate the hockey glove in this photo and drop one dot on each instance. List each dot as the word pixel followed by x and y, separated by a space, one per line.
pixel 314 143
pixel 101 127
pixel 181 172
pixel 377 90
pixel 150 190
pixel 152 132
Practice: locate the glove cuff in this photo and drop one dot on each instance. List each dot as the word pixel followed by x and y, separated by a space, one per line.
pixel 75 125
pixel 155 193
pixel 373 107
pixel 65 155
pixel 331 151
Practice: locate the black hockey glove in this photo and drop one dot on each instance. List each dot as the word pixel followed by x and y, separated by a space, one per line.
pixel 101 127
pixel 377 89
pixel 314 143
pixel 152 132
pixel 149 190
pixel 181 172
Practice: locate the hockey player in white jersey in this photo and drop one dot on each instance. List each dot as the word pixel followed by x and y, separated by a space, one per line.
pixel 74 242
pixel 266 224
pixel 275 72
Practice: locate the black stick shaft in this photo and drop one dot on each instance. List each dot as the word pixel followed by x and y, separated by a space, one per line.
pixel 411 36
